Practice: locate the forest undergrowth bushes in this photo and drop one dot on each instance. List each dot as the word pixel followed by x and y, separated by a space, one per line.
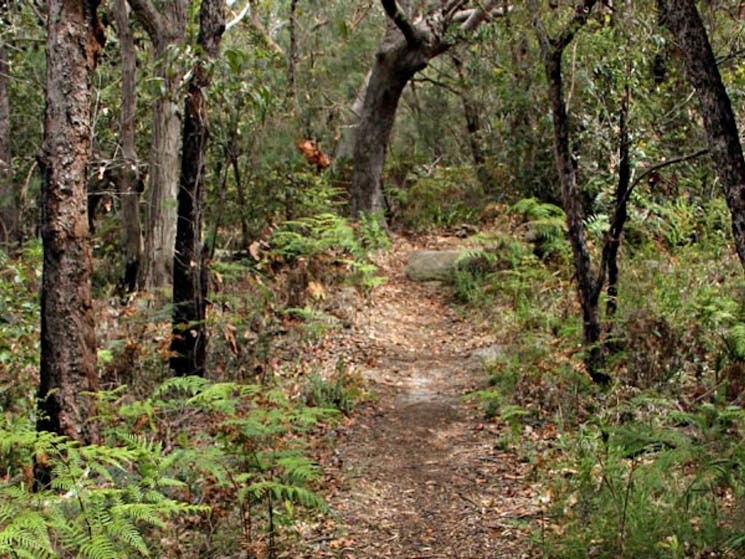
pixel 189 467
pixel 652 467
pixel 427 197
pixel 197 469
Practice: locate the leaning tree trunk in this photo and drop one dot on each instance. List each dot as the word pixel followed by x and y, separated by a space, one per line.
pixel 682 18
pixel 128 176
pixel 407 48
pixel 68 341
pixel 188 343
pixel 394 67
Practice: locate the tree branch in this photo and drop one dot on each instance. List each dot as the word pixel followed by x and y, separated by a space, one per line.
pixel 151 19
pixel 237 19
pixel 394 12
pixel 662 164
pixel 474 17
pixel 581 14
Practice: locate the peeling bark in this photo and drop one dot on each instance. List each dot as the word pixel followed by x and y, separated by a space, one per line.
pixel 68 341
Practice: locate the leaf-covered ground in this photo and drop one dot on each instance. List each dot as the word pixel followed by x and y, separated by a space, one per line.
pixel 415 472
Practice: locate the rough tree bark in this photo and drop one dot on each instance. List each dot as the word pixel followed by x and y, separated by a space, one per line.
pixel 406 49
pixel 8 207
pixel 128 176
pixel 588 288
pixel 188 343
pixel 166 28
pixel 684 21
pixel 68 342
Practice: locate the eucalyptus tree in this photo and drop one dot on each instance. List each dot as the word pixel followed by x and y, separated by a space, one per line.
pixel 684 21
pixel 410 43
pixel 165 23
pixel 8 213
pixel 588 286
pixel 188 343
pixel 68 342
pixel 127 176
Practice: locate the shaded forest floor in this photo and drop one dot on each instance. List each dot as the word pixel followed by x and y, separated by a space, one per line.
pixel 416 473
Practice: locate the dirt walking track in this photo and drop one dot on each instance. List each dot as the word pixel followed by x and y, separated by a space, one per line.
pixel 419 474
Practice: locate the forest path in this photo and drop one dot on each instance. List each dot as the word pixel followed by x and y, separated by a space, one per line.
pixel 419 474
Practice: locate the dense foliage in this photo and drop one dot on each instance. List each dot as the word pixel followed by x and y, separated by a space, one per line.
pixel 651 466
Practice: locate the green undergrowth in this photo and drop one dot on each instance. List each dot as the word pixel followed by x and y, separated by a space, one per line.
pixel 197 469
pixel 652 466
pixel 190 467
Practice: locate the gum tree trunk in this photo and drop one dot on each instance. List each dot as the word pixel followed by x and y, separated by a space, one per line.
pixel 393 68
pixel 128 176
pixel 189 340
pixel 684 21
pixel 68 341
pixel 8 211
pixel 166 28
pixel 407 48
pixel 588 289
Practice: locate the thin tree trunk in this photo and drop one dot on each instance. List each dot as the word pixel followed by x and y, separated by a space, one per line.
pixel 473 129
pixel 588 289
pixel 8 206
pixel 189 340
pixel 68 341
pixel 241 196
pixel 684 21
pixel 292 56
pixel 128 176
pixel 613 240
pixel 166 27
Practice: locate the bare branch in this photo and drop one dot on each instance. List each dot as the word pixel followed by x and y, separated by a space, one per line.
pixel 476 16
pixel 152 20
pixel 662 164
pixel 237 19
pixel 394 12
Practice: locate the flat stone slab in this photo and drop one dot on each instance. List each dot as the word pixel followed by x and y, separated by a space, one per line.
pixel 433 265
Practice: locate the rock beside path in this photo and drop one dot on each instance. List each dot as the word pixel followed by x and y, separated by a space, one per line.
pixel 434 265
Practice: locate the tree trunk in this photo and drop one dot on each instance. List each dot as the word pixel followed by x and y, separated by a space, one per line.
pixel 68 341
pixel 188 343
pixel 620 214
pixel 588 289
pixel 166 27
pixel 161 213
pixel 128 176
pixel 683 20
pixel 8 206
pixel 407 48
pixel 393 68
pixel 473 129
